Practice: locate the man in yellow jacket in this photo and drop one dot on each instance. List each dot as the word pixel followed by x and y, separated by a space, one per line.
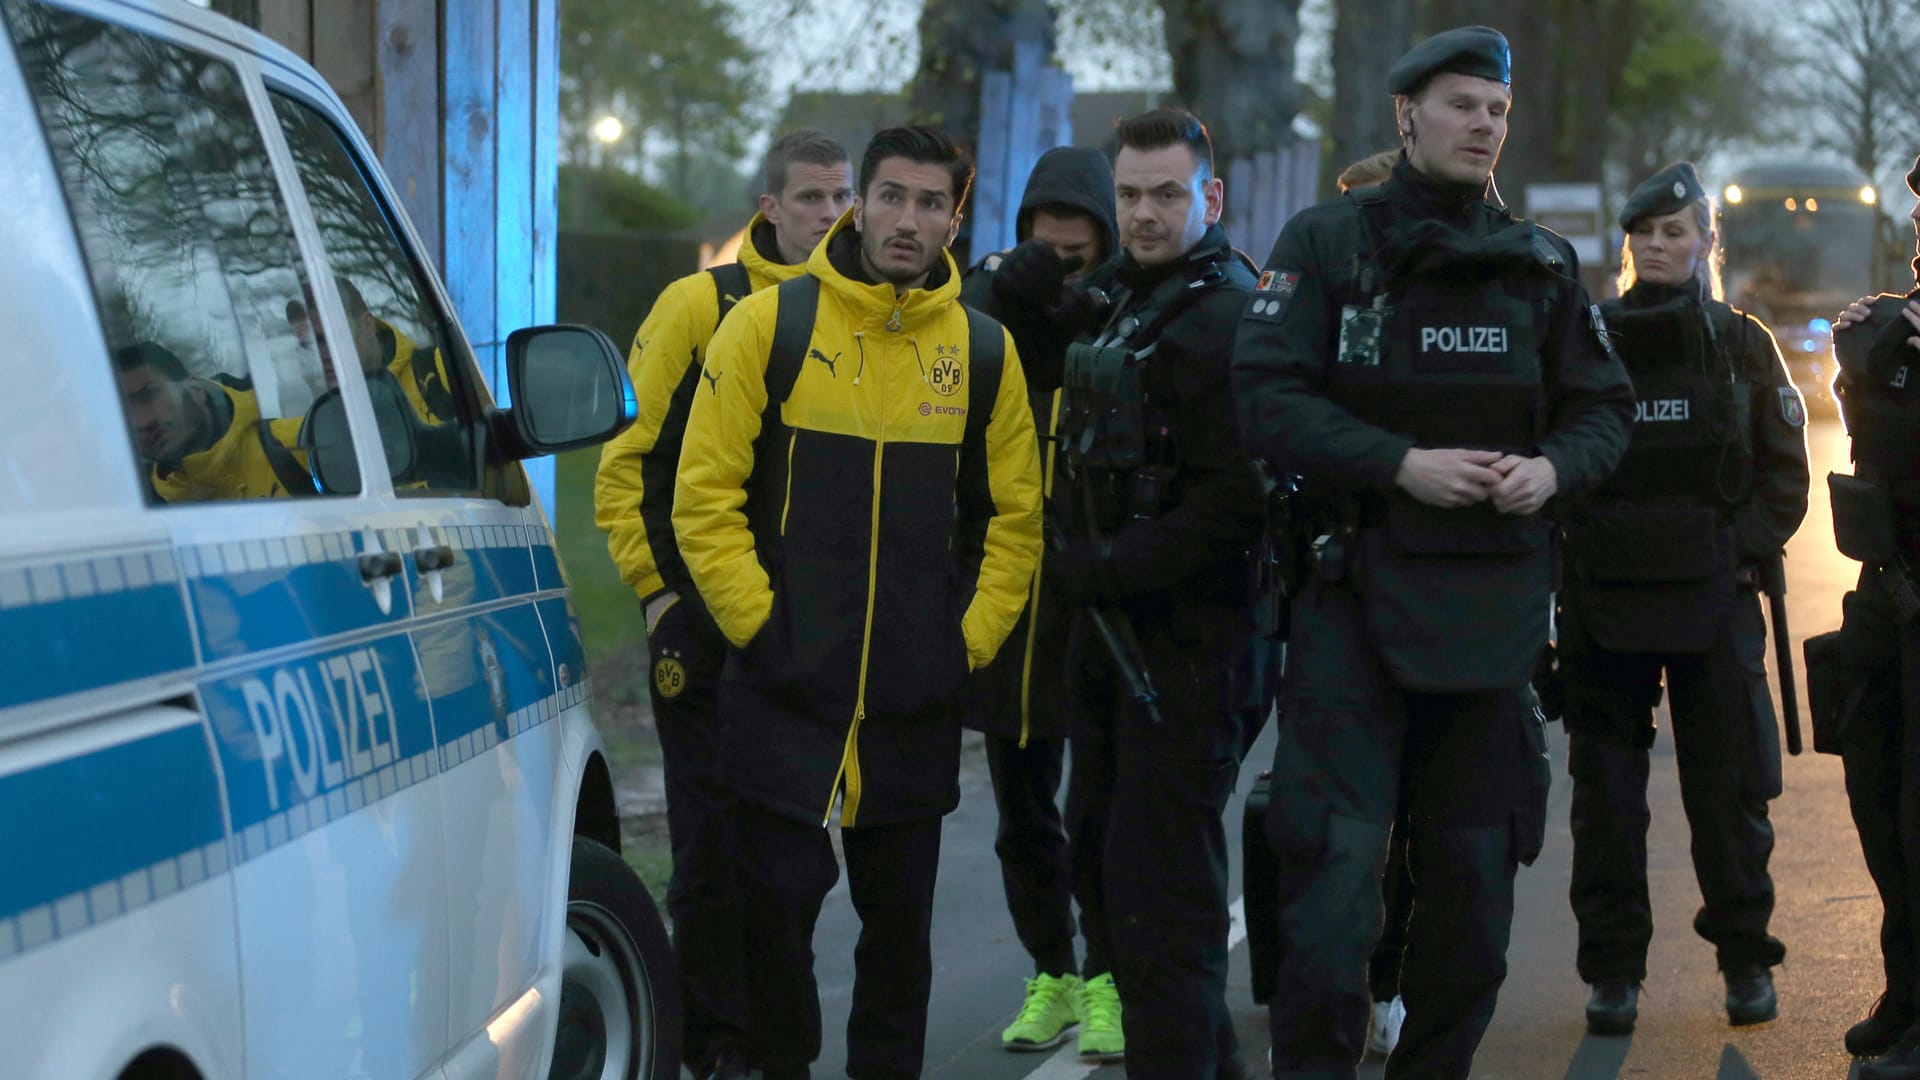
pixel 858 502
pixel 809 183
pixel 204 440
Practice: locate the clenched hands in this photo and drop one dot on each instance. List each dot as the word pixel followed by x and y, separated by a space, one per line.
pixel 1455 478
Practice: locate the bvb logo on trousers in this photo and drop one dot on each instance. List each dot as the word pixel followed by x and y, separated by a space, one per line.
pixel 669 677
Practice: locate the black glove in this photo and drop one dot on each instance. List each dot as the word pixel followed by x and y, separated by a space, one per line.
pixel 1032 275
pixel 1079 573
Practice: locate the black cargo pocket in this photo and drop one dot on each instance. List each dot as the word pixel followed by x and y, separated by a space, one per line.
pixel 1644 544
pixel 1530 815
pixel 1456 623
pixel 1824 691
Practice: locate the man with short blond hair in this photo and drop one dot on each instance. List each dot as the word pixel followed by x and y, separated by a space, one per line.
pixel 809 181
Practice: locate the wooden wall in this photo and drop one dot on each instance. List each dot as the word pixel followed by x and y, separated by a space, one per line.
pixel 460 99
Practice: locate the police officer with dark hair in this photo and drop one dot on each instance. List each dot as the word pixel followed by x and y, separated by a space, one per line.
pixel 1876 666
pixel 1164 507
pixel 1039 291
pixel 1663 563
pixel 1435 372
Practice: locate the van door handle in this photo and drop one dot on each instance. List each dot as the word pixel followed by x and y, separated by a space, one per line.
pixel 429 559
pixel 376 565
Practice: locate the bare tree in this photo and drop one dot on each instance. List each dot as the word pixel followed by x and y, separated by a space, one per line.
pixel 1567 59
pixel 1858 81
pixel 1233 67
pixel 1367 39
pixel 1687 91
pixel 962 40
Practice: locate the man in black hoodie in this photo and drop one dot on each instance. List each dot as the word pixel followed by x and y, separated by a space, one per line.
pixel 1039 292
pixel 1435 372
pixel 1163 507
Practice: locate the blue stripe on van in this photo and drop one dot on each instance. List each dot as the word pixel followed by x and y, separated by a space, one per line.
pixel 319 737
pixel 546 568
pixel 87 642
pixel 480 670
pixel 500 572
pixel 563 637
pixel 254 610
pixel 94 835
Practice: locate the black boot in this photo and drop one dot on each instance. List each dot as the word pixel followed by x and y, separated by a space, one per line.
pixel 1876 1034
pixel 1900 1062
pixel 1614 1007
pixel 1750 998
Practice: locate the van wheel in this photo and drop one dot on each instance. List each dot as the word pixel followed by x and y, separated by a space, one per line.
pixel 619 995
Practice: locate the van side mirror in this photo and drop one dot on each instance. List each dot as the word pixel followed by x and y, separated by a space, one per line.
pixel 328 441
pixel 569 389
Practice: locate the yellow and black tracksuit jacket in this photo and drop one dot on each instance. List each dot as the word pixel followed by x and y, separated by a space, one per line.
pixel 427 388
pixel 856 545
pixel 237 465
pixel 633 490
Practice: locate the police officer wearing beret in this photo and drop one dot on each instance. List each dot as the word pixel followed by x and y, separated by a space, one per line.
pixel 1877 520
pixel 1435 371
pixel 1663 564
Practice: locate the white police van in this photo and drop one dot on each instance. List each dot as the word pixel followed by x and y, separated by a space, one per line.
pixel 297 776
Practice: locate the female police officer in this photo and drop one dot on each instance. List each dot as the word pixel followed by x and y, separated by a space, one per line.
pixel 1662 568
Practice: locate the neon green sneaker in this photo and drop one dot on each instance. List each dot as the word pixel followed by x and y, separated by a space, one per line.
pixel 1101 1038
pixel 1050 1011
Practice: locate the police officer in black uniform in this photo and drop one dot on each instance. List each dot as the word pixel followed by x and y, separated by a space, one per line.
pixel 1663 566
pixel 1435 372
pixel 1166 506
pixel 1876 514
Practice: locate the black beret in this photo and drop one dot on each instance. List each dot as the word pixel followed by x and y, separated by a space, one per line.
pixel 1913 177
pixel 1664 192
pixel 1480 51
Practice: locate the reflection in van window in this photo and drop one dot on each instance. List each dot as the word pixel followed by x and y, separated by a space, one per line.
pixel 403 343
pixel 193 259
pixel 206 437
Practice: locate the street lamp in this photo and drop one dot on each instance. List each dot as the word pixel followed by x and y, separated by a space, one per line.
pixel 608 129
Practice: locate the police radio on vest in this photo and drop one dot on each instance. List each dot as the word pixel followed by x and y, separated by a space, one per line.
pixel 1662 409
pixel 1463 339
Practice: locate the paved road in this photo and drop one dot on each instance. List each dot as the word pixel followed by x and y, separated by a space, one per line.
pixel 1827 915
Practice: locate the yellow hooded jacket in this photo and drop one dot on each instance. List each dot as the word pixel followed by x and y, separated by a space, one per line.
pixel 633 489
pixel 862 553
pixel 236 465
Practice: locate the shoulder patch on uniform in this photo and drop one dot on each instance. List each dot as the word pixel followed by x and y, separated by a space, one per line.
pixel 1272 293
pixel 1278 281
pixel 1600 333
pixel 1547 251
pixel 1792 409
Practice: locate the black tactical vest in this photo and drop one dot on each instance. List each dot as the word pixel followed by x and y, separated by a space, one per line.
pixel 1690 430
pixel 1456 600
pixel 1111 427
pixel 1880 396
pixel 1879 392
pixel 1652 554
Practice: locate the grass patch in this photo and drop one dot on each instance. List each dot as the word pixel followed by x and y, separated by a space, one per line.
pixel 654 863
pixel 610 616
pixel 615 637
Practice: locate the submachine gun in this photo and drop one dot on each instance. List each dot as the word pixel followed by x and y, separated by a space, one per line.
pixel 1102 427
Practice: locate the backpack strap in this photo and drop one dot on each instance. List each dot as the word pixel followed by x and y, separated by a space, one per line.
pixel 792 329
pixel 430 380
pixel 730 286
pixel 987 347
pixel 286 469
